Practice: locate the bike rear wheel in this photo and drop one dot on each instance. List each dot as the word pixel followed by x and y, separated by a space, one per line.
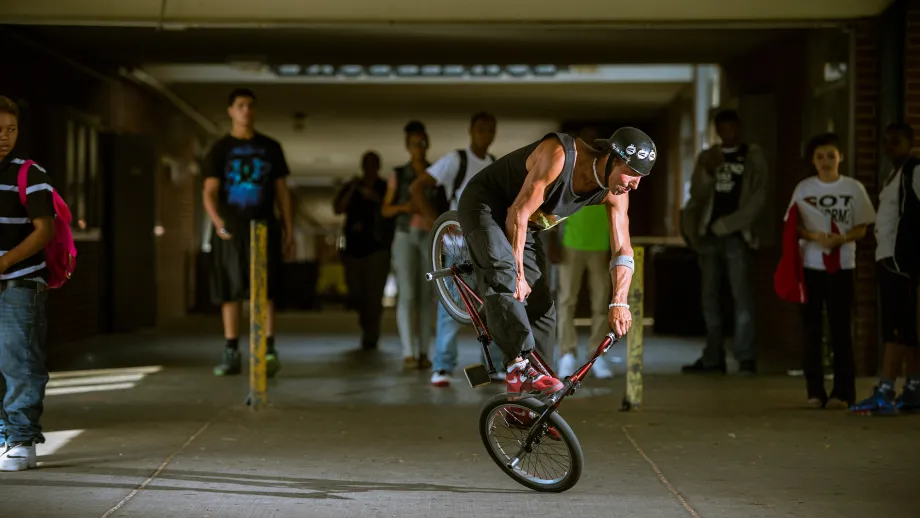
pixel 447 248
pixel 555 461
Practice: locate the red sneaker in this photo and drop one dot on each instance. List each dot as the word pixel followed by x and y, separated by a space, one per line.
pixel 522 378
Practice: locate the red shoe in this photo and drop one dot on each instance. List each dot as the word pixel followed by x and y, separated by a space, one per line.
pixel 522 378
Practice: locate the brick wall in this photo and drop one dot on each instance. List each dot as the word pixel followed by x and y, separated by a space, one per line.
pixel 866 75
pixel 912 66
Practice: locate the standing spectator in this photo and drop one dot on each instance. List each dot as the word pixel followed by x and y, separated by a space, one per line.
pixel 245 174
pixel 727 195
pixel 367 246
pixel 452 172
pixel 410 252
pixel 897 254
pixel 585 247
pixel 834 213
pixel 24 232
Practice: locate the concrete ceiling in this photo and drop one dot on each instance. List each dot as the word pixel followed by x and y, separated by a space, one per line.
pixel 416 44
pixel 250 12
pixel 548 100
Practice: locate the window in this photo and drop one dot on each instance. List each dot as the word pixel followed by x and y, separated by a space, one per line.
pixel 82 186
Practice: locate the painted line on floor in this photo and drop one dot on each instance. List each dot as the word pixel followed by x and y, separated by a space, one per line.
pixel 680 498
pixel 159 470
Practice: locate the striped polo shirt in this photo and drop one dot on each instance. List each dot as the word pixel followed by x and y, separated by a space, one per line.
pixel 16 220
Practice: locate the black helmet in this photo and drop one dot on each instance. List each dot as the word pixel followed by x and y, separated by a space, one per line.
pixel 633 146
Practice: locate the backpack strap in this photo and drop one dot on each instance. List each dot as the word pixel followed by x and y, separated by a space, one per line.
pixel 461 173
pixel 23 181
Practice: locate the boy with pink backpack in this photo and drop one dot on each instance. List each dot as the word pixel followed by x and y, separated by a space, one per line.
pixel 36 253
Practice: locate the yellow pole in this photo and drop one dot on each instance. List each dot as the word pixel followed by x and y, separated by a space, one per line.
pixel 634 342
pixel 258 300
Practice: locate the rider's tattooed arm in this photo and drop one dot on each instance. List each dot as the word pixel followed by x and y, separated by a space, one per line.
pixel 621 276
pixel 543 167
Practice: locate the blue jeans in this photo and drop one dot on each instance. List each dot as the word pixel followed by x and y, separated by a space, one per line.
pixel 22 362
pixel 445 355
pixel 718 254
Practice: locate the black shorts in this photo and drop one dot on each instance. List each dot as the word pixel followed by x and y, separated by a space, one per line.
pixel 230 266
pixel 898 297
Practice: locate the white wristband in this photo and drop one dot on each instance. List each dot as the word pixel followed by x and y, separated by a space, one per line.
pixel 618 305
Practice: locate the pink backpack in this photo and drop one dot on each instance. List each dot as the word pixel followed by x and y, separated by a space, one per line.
pixel 60 252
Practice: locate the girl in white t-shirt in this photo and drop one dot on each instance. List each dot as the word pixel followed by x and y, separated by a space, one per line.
pixel 834 212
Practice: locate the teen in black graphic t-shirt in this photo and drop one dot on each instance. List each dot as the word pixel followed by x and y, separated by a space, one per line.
pixel 244 177
pixel 723 222
pixel 247 170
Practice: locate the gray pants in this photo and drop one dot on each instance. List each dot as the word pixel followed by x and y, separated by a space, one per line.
pixel 415 300
pixel 516 326
pixel 718 254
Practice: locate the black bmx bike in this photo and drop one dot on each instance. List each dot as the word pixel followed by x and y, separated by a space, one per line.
pixel 523 433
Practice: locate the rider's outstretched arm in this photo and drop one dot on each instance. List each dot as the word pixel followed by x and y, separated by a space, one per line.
pixel 543 167
pixel 621 267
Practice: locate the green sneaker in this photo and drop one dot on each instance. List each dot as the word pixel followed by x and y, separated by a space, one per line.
pixel 272 365
pixel 232 364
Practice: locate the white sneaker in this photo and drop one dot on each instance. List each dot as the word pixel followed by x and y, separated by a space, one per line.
pixel 566 365
pixel 440 379
pixel 18 457
pixel 601 370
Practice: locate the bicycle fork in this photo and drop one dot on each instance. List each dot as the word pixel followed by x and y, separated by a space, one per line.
pixel 537 430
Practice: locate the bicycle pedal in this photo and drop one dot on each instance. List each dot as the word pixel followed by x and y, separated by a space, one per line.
pixel 477 375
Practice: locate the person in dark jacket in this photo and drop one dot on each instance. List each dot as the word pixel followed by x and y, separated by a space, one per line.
pixel 366 256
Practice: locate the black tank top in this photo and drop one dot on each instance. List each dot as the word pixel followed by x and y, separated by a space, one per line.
pixel 500 182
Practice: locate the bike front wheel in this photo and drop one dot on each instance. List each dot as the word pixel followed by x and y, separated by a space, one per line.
pixel 447 248
pixel 555 460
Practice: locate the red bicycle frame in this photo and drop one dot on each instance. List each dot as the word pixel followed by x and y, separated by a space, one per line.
pixel 467 295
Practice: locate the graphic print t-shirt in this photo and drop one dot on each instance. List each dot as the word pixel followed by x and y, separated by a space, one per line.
pixel 728 184
pixel 247 170
pixel 845 202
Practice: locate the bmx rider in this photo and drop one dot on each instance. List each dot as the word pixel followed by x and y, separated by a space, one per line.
pixel 503 211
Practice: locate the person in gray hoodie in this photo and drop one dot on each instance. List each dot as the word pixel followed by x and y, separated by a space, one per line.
pixel 722 222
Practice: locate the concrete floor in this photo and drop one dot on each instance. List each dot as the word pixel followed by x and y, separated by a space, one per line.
pixel 349 434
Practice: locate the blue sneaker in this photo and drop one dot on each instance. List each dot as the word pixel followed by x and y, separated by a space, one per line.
pixel 878 403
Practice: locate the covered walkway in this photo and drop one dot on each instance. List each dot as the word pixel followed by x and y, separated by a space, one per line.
pixel 349 435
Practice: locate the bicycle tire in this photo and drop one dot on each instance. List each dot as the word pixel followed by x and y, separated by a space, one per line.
pixel 457 312
pixel 556 421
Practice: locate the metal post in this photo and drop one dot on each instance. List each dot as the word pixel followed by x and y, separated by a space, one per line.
pixel 634 342
pixel 258 299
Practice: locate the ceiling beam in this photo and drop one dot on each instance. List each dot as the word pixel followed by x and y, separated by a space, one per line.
pixel 267 13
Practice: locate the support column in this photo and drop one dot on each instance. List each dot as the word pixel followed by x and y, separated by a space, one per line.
pixel 866 79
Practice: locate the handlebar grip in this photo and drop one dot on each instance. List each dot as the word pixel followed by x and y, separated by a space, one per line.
pixel 446 272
